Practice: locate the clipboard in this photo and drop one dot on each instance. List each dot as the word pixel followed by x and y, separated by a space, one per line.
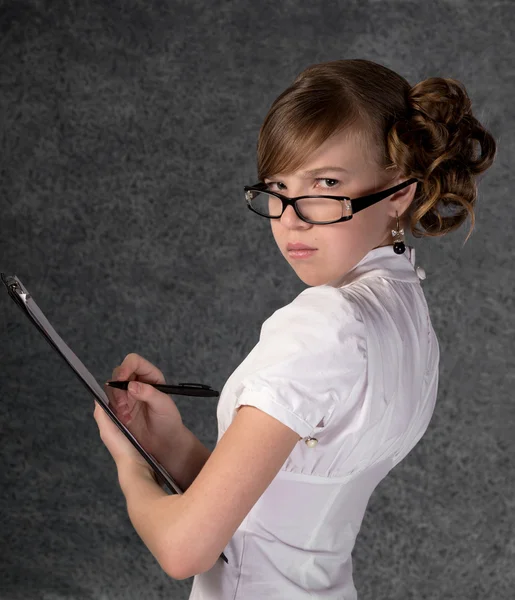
pixel 19 293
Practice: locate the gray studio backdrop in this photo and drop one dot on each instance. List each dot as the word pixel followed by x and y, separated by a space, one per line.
pixel 128 130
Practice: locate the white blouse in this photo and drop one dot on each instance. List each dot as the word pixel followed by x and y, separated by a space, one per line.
pixel 355 366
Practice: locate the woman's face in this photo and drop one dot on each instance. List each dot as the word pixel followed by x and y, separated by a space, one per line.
pixel 342 169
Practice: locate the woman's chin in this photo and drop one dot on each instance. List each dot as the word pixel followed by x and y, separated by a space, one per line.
pixel 311 279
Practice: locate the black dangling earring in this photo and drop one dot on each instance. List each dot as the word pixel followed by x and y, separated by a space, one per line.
pixel 398 238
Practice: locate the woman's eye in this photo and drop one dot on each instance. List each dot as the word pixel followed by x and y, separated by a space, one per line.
pixel 277 184
pixel 329 182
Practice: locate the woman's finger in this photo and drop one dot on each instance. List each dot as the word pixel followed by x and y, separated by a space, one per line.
pixel 157 401
pixel 119 397
pixel 120 407
pixel 142 369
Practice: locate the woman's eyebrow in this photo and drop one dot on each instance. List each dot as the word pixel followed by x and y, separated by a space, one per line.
pixel 313 172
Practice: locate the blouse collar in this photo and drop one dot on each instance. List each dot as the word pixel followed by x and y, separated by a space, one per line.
pixel 383 262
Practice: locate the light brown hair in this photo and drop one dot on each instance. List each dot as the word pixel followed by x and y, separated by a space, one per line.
pixel 426 131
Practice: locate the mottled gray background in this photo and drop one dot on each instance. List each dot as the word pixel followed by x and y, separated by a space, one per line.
pixel 127 132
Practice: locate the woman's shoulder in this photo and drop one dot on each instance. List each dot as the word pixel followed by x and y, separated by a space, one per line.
pixel 319 306
pixel 329 297
pixel 327 301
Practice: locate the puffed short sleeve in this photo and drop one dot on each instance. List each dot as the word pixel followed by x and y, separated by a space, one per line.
pixel 309 355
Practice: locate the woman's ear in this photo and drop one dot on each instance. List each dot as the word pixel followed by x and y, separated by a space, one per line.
pixel 401 200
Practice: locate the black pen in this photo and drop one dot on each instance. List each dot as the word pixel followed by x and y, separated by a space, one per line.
pixel 184 389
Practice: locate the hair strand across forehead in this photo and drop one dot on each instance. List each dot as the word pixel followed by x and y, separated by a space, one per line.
pixel 322 101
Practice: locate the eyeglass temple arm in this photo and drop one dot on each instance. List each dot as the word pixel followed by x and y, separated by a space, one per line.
pixel 366 201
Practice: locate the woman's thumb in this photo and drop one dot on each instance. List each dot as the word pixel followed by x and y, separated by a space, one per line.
pixel 134 387
pixel 147 393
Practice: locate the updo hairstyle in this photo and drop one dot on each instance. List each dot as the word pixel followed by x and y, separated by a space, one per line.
pixel 426 131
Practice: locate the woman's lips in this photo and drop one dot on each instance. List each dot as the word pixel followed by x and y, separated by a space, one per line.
pixel 301 253
pixel 298 246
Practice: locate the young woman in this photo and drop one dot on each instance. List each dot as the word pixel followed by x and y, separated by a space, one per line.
pixel 343 380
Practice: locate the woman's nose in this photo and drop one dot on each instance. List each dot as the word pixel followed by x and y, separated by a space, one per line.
pixel 290 217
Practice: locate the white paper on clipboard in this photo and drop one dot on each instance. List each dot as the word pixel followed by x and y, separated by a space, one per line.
pixel 23 299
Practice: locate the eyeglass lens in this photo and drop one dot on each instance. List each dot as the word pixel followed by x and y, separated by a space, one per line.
pixel 314 209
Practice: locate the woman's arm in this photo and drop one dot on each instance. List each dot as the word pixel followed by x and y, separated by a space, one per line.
pixel 186 458
pixel 187 533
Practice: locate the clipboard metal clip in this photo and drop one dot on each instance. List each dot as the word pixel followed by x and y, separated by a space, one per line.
pixel 15 288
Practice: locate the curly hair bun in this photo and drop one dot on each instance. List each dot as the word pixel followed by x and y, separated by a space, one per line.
pixel 442 100
pixel 442 144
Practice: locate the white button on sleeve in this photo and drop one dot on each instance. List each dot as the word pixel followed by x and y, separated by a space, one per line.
pixel 420 272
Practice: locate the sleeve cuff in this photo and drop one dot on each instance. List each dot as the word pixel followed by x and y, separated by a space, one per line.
pixel 263 400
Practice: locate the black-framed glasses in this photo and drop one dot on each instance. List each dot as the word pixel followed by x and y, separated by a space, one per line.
pixel 318 210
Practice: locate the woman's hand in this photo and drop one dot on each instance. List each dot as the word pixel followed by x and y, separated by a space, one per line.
pixel 118 445
pixel 151 416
